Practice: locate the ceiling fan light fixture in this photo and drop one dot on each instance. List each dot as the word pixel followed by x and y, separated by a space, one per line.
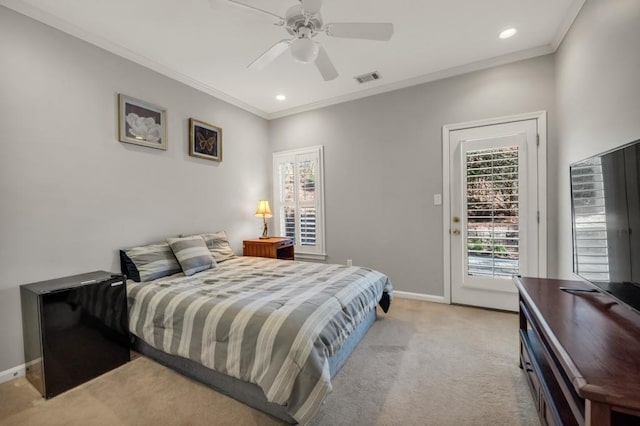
pixel 304 22
pixel 304 50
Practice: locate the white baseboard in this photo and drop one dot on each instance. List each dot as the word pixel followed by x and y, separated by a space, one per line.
pixel 419 296
pixel 11 373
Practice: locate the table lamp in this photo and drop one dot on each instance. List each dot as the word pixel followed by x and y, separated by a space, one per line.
pixel 264 211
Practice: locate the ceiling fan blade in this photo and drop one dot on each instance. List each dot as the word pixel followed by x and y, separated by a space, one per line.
pixel 311 7
pixel 325 66
pixel 367 31
pixel 270 55
pixel 256 9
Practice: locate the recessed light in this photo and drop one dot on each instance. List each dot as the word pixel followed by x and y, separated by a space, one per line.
pixel 281 97
pixel 508 33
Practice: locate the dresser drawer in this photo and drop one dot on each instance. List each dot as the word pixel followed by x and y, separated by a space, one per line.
pixel 532 378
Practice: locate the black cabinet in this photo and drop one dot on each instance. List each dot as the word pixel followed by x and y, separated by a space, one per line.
pixel 75 328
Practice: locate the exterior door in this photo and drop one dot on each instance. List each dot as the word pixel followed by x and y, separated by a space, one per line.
pixel 494 212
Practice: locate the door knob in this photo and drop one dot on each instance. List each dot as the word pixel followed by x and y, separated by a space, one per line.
pixel 456 232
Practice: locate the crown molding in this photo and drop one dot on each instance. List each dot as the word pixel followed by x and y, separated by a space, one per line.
pixel 438 75
pixel 571 15
pixel 77 32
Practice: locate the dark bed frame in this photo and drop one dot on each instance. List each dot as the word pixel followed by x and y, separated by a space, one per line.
pixel 250 393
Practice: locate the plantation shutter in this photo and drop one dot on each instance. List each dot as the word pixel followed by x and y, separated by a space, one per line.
pixel 307 165
pixel 299 198
pixel 287 204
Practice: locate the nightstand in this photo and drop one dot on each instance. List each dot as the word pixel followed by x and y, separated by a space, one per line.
pixel 75 328
pixel 273 247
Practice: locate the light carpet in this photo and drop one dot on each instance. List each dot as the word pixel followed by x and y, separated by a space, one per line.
pixel 421 364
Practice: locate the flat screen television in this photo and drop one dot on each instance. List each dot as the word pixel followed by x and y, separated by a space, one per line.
pixel 605 200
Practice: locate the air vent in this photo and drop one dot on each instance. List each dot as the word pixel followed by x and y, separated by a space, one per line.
pixel 365 78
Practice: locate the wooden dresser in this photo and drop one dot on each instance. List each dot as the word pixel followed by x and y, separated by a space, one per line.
pixel 581 352
pixel 273 247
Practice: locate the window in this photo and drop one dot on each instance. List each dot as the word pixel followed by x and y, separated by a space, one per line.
pixel 299 199
pixel 493 220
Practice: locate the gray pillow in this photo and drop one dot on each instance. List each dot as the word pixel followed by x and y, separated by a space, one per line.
pixel 192 254
pixel 146 263
pixel 218 245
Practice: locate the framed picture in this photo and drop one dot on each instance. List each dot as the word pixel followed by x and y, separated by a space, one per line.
pixel 205 140
pixel 142 123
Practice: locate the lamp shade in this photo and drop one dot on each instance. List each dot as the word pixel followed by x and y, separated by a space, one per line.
pixel 304 50
pixel 263 209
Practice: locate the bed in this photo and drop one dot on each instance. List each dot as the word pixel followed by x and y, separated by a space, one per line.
pixel 270 333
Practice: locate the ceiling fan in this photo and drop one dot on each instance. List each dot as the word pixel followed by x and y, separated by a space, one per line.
pixel 304 22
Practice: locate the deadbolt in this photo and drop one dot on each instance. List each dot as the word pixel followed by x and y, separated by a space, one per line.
pixel 456 219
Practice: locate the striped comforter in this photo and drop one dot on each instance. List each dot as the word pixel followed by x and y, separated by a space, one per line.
pixel 269 322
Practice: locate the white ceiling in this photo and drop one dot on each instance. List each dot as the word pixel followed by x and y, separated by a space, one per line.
pixel 209 43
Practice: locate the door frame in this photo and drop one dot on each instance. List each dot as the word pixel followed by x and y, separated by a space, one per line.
pixel 541 124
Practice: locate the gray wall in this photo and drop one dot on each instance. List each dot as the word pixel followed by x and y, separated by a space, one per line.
pixel 598 90
pixel 64 208
pixel 383 163
pixel 72 194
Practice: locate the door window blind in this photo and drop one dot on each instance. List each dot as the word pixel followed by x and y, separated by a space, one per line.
pixel 492 210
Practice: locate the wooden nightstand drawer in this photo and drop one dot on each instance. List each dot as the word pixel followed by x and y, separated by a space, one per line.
pixel 285 243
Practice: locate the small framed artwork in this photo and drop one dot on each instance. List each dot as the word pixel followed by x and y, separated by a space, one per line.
pixel 142 123
pixel 205 140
